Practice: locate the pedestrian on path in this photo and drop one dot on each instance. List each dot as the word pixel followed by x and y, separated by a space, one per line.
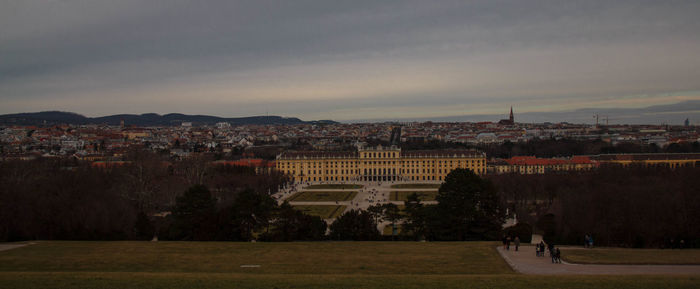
pixel 517 243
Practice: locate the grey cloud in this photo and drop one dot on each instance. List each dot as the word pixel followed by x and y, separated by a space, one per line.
pixel 54 49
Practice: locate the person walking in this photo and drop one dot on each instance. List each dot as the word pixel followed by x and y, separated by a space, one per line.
pixel 508 243
pixel 553 254
pixel 517 243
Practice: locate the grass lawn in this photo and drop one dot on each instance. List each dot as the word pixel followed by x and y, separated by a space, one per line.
pixel 130 264
pixel 334 186
pixel 388 230
pixel 328 196
pixel 121 280
pixel 415 186
pixel 274 258
pixel 422 195
pixel 325 212
pixel 632 256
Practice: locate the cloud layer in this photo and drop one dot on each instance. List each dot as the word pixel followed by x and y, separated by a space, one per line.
pixel 346 59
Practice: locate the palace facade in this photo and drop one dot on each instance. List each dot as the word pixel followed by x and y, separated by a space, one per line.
pixel 671 160
pixel 378 164
pixel 526 165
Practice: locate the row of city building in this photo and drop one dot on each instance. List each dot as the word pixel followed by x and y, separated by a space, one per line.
pixel 393 164
pixel 94 141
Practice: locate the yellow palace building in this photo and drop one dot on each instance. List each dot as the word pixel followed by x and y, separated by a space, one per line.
pixel 376 164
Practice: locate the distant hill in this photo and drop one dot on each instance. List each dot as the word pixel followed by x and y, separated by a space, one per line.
pixel 147 119
pixel 674 114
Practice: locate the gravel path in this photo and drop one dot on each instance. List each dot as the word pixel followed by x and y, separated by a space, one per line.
pixel 371 193
pixel 525 261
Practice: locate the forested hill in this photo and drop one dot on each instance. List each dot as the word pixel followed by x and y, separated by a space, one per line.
pixel 147 119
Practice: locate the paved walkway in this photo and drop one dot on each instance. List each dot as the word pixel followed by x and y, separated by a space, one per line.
pixel 4 247
pixel 525 261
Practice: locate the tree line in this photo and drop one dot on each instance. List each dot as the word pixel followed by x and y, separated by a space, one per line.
pixel 635 206
pixel 63 198
pixel 148 196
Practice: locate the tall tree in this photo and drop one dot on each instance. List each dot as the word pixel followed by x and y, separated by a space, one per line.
pixel 194 215
pixel 354 225
pixel 468 208
pixel 293 225
pixel 415 223
pixel 250 212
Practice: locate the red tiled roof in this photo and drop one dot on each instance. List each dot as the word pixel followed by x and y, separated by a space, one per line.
pixel 440 153
pixel 108 164
pixel 256 163
pixel 641 157
pixel 317 154
pixel 534 161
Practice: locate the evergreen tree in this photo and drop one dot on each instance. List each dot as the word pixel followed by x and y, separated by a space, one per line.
pixel 194 215
pixel 293 225
pixel 415 223
pixel 143 228
pixel 250 212
pixel 468 208
pixel 355 225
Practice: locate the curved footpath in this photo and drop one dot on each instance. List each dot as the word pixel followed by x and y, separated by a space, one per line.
pixel 9 246
pixel 525 261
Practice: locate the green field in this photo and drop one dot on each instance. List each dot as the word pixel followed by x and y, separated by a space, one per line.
pixel 422 195
pixel 632 256
pixel 388 230
pixel 286 265
pixel 273 258
pixel 322 196
pixel 415 186
pixel 334 186
pixel 10 280
pixel 325 212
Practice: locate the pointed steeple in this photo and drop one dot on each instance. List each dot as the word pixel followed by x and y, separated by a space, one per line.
pixel 511 115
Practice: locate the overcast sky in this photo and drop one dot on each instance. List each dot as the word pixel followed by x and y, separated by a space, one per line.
pixel 345 60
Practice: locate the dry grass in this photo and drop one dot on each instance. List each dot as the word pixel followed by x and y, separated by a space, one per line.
pixel 225 280
pixel 632 256
pixel 274 258
pixel 286 265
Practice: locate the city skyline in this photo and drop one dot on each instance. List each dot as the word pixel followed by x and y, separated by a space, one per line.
pixel 347 61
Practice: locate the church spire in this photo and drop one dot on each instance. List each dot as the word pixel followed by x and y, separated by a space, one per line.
pixel 511 115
